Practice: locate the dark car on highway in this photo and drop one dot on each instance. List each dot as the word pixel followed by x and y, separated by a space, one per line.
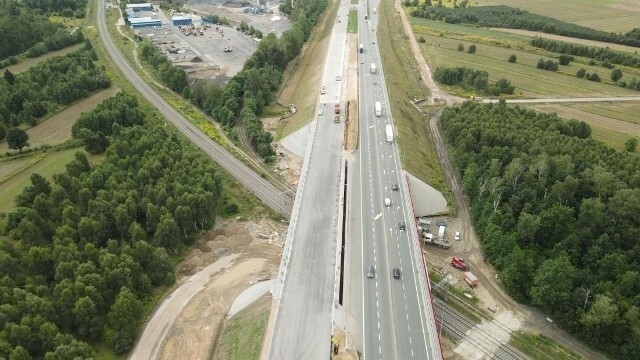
pixel 396 273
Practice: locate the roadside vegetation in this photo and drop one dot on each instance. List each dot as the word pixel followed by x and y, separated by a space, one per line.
pixel 404 85
pixel 544 197
pixel 244 333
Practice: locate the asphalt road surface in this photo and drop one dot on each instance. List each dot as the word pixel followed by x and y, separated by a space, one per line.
pixel 394 312
pixel 303 324
pixel 270 195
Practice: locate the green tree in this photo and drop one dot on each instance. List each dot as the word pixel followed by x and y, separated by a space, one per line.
pixel 460 47
pixel 616 75
pixel 3 131
pixel 553 284
pixel 122 321
pixel 631 144
pixel 581 73
pixel 513 58
pixel 17 139
pixel 8 75
pixel 88 322
pixel 472 49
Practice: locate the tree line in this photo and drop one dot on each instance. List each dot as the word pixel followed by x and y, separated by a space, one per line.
pixel 81 253
pixel 596 53
pixel 67 8
pixel 44 88
pixel 513 18
pixel 244 97
pixel 557 215
pixel 471 79
pixel 23 28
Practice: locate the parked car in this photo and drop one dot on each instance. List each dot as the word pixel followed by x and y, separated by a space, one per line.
pixel 394 187
pixel 457 236
pixel 402 225
pixel 387 202
pixel 320 112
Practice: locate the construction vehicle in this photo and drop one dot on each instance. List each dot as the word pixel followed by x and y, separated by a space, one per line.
pixel 459 263
pixel 429 239
pixel 471 279
pixel 337 109
pixel 378 108
pixel 336 119
pixel 441 232
pixel 388 131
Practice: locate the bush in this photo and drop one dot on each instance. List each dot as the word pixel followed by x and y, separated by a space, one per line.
pixel 461 47
pixel 422 40
pixel 472 49
pixel 565 59
pixel 512 58
pixel 616 75
pixel 581 73
pixel 593 77
pixel 547 65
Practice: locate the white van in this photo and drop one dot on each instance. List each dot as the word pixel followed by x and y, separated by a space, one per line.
pixel 387 202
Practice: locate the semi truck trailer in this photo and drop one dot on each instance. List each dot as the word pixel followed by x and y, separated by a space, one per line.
pixel 388 130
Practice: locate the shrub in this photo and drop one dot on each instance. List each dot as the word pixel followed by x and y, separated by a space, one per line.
pixel 512 58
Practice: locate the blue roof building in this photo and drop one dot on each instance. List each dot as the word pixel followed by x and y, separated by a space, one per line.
pixel 138 23
pixel 140 7
pixel 181 20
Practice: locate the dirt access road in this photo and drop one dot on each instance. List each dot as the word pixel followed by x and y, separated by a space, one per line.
pixel 219 267
pixel 532 319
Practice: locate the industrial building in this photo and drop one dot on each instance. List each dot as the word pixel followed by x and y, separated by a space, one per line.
pixel 181 20
pixel 140 7
pixel 131 13
pixel 138 23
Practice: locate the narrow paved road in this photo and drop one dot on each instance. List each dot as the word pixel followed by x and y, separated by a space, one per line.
pixel 270 195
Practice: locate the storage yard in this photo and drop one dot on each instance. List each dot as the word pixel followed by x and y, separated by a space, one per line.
pixel 205 51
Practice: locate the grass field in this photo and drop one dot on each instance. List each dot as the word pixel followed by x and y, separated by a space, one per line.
pixel 604 119
pixel 403 81
pixel 540 347
pixel 243 334
pixel 15 175
pixel 27 63
pixel 352 25
pixel 608 15
pixel 612 123
pixel 57 129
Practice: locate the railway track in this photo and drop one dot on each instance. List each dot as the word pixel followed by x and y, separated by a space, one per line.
pixel 275 198
pixel 459 325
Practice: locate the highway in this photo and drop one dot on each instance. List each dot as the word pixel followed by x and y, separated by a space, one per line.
pixel 397 317
pixel 276 199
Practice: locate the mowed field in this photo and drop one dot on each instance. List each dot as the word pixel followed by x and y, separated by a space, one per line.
pixel 607 15
pixel 612 123
pixel 493 50
pixel 27 63
pixel 57 129
pixel 15 175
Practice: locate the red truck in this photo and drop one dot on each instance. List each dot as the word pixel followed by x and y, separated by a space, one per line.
pixel 459 264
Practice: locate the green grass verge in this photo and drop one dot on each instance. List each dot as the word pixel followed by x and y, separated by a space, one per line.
pixel 539 346
pixel 243 334
pixel 26 63
pixel 404 83
pixel 352 24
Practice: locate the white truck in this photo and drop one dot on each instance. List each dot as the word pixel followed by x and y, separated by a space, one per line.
pixel 431 240
pixel 378 107
pixel 373 68
pixel 441 233
pixel 361 48
pixel 388 131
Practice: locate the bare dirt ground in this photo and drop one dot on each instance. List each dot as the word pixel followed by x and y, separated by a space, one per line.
pixel 351 128
pixel 235 13
pixel 258 245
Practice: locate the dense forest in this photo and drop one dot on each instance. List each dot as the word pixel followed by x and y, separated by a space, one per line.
pixel 557 214
pixel 512 18
pixel 248 92
pixel 82 252
pixel 56 82
pixel 470 79
pixel 596 53
pixel 23 28
pixel 66 8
